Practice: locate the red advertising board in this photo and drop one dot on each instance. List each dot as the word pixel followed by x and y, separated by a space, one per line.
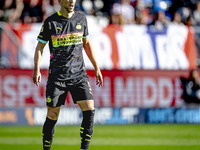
pixel 137 88
pixel 132 88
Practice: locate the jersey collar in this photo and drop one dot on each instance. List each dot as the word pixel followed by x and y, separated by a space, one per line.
pixel 59 14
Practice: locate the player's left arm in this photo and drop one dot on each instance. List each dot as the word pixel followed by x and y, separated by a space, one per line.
pixel 90 53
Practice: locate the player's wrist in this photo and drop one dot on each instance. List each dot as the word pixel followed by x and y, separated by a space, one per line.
pixel 97 68
pixel 36 71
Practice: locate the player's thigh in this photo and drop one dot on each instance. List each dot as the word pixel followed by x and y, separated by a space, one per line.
pixel 82 95
pixel 56 93
pixel 86 105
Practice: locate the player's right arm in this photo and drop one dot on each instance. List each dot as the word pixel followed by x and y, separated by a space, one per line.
pixel 37 59
pixel 42 38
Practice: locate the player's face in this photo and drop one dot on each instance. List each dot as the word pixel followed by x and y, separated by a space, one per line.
pixel 68 5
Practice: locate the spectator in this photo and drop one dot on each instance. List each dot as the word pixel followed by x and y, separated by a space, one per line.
pixel 176 20
pixel 19 6
pixel 160 20
pixel 116 17
pixel 56 5
pixel 191 88
pixel 185 12
pixel 196 14
pixel 107 7
pixel 123 13
pixel 47 9
pixel 141 13
pixel 35 10
pixel 1 10
pixel 79 6
pixel 7 4
pixel 8 9
pixel 118 11
pixel 189 21
pixel 32 12
pixel 143 17
pixel 25 14
pixel 88 7
pixel 12 10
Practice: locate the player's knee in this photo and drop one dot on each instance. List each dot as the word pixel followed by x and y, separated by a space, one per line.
pixel 53 114
pixel 52 117
pixel 86 105
pixel 88 108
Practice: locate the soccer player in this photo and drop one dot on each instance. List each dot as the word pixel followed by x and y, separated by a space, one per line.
pixel 67 34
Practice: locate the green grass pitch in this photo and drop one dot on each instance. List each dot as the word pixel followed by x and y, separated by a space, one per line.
pixel 106 137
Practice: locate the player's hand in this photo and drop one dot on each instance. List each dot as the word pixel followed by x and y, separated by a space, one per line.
pixel 36 78
pixel 99 78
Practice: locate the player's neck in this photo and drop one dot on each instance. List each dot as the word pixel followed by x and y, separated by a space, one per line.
pixel 65 13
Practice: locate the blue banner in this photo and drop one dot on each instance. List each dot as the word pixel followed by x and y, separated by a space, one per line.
pixel 104 115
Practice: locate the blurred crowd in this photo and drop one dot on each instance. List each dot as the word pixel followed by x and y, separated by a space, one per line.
pixel 27 11
pixel 146 12
pixel 156 12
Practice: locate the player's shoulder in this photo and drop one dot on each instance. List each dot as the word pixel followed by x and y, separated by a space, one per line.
pixel 53 17
pixel 80 14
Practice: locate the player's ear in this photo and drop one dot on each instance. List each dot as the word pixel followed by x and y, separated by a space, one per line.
pixel 59 1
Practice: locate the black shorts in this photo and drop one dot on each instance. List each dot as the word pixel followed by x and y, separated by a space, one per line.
pixel 56 92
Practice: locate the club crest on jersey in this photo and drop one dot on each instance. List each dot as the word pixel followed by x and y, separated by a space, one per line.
pixel 78 26
pixel 48 99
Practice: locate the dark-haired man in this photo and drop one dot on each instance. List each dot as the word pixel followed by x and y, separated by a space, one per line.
pixel 67 34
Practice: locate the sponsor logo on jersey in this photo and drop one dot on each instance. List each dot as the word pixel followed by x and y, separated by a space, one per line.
pixel 59 28
pixel 78 26
pixel 67 39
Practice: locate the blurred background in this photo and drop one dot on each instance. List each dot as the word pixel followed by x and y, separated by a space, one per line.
pixel 146 50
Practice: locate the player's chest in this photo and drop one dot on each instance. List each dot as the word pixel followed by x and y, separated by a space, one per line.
pixel 67 33
pixel 67 27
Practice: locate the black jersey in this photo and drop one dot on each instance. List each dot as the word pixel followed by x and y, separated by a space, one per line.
pixel 65 37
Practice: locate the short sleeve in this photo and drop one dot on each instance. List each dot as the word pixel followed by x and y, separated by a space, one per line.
pixel 44 33
pixel 85 34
